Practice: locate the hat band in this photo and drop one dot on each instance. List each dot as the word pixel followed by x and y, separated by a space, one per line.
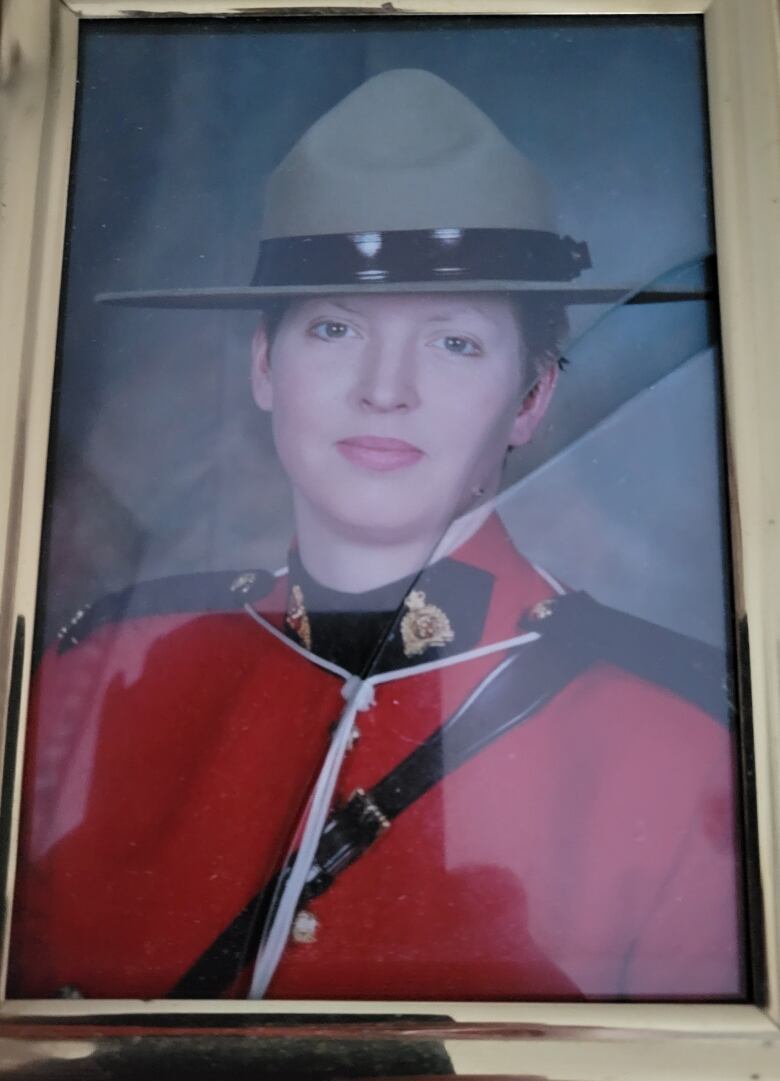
pixel 419 255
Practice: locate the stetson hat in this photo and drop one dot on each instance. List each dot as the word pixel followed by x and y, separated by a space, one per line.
pixel 406 186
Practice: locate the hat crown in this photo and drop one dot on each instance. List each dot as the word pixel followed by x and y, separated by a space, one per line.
pixel 404 151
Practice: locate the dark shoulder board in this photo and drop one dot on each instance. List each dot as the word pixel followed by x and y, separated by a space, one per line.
pixel 218 591
pixel 691 669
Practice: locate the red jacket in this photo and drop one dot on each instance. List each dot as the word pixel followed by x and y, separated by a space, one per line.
pixel 588 852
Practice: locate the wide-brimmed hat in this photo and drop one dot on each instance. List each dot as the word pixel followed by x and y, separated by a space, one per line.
pixel 406 186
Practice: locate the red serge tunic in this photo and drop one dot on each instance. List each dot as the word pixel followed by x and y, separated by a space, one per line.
pixel 587 852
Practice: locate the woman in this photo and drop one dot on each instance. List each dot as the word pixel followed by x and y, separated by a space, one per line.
pixel 407 767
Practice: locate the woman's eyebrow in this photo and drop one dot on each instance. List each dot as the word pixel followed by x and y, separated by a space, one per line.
pixel 461 309
pixel 319 301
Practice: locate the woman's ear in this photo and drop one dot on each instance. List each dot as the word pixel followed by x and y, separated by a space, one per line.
pixel 262 387
pixel 533 407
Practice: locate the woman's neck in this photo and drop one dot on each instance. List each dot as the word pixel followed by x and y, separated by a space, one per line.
pixel 356 564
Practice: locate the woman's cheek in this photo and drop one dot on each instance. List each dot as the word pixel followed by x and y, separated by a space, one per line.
pixel 486 419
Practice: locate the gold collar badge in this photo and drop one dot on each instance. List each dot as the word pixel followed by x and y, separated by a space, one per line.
pixel 297 618
pixel 424 625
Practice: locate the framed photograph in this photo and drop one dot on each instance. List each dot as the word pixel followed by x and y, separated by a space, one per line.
pixel 389 635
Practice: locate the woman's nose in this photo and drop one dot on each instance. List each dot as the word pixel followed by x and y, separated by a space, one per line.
pixel 387 381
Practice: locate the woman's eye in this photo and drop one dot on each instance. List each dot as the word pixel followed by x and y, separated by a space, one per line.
pixel 462 347
pixel 330 330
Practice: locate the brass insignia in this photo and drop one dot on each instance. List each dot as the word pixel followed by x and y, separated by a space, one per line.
pixel 243 582
pixel 72 622
pixel 542 610
pixel 424 625
pixel 297 617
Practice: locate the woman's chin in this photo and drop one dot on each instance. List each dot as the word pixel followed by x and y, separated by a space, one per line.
pixel 383 525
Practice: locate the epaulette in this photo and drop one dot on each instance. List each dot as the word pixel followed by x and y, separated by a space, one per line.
pixel 215 591
pixel 691 669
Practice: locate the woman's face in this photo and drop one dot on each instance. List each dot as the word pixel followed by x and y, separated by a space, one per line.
pixel 391 414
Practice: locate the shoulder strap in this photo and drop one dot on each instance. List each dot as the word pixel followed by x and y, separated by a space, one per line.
pixel 689 668
pixel 216 591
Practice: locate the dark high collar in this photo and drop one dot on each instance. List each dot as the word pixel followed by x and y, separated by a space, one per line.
pixel 434 614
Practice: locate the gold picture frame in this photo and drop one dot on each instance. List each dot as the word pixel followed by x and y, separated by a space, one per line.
pixel 569 1042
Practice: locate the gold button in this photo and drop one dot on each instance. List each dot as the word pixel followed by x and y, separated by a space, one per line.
pixel 305 927
pixel 542 610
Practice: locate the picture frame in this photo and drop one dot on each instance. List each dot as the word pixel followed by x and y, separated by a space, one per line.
pixel 212 1039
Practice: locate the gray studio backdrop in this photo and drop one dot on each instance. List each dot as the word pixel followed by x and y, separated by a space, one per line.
pixel 161 464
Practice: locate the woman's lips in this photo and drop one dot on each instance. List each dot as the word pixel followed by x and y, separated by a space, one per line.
pixel 378 453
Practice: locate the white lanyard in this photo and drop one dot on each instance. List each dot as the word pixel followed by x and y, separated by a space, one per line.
pixel 359 695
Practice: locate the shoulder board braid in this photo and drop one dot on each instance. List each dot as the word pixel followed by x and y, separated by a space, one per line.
pixel 217 591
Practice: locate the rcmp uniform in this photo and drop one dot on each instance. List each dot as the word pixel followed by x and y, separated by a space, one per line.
pixel 586 852
pixel 565 830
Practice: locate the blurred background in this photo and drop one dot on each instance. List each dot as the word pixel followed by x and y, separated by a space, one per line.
pixel 161 464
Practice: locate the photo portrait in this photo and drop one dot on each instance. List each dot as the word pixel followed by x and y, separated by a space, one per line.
pixel 383 644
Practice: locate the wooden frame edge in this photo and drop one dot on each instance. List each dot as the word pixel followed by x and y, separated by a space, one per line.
pixel 746 165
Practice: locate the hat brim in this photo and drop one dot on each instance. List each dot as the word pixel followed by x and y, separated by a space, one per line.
pixel 253 297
